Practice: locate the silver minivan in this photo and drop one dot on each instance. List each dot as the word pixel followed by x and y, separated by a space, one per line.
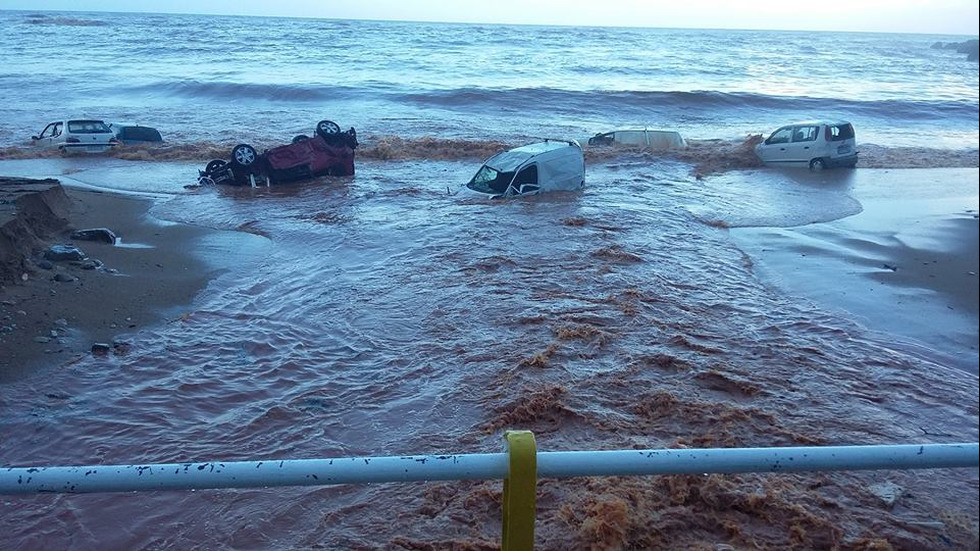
pixel 813 144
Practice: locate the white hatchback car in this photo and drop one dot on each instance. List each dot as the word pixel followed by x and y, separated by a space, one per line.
pixel 813 144
pixel 77 136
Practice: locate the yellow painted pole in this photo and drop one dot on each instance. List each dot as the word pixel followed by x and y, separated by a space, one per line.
pixel 520 487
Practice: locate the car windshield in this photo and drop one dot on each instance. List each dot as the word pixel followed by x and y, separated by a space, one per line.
pixel 88 127
pixel 489 180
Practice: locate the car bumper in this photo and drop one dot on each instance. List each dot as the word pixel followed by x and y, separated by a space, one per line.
pixel 849 161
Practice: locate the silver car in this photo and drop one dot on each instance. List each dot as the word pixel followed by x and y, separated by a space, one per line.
pixel 813 144
pixel 77 136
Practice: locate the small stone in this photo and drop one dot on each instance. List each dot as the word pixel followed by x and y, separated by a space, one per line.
pixel 24 277
pixel 53 334
pixel 6 329
pixel 45 265
pixel 91 264
pixel 64 278
pixel 61 322
pixel 104 235
pixel 64 252
pixel 100 349
pixel 887 492
pixel 42 340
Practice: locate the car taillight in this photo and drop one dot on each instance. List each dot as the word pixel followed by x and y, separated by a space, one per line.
pixel 73 140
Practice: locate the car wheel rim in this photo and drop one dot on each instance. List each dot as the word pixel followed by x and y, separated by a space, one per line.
pixel 244 156
pixel 328 128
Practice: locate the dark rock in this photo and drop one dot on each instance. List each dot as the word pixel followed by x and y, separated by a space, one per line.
pixel 101 349
pixel 45 265
pixel 64 278
pixel 42 340
pixel 104 235
pixel 969 47
pixel 64 252
pixel 91 264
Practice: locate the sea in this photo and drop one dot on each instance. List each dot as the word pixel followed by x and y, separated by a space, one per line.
pixel 385 315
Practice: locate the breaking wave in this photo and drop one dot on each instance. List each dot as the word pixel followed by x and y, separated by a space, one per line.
pixel 641 101
pixel 232 90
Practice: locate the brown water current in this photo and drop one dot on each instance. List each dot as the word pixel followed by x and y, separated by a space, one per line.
pixel 392 316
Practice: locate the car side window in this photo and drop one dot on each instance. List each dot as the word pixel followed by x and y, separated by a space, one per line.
pixel 47 132
pixel 781 136
pixel 57 130
pixel 805 134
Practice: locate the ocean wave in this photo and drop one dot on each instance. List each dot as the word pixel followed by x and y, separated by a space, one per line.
pixel 231 90
pixel 41 19
pixel 553 99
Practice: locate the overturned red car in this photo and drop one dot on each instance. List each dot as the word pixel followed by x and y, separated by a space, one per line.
pixel 329 152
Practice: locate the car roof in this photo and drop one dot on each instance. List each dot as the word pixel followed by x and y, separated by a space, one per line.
pixel 818 122
pixel 509 160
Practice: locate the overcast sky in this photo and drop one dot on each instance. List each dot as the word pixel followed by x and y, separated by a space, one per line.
pixel 916 16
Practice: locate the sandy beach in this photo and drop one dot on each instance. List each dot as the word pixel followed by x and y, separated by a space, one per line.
pixel 905 266
pixel 52 316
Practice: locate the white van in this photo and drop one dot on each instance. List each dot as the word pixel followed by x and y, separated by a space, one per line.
pixel 531 169
pixel 813 144
pixel 653 139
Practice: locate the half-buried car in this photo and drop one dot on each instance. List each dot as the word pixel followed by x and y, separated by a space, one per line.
pixel 329 152
pixel 551 165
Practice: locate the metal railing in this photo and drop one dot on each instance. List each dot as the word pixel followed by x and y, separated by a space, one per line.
pixel 519 467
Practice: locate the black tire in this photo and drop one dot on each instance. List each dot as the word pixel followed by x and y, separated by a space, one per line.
pixel 818 164
pixel 300 138
pixel 244 155
pixel 326 128
pixel 215 165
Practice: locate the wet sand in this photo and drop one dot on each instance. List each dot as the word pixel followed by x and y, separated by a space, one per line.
pixel 147 278
pixel 905 267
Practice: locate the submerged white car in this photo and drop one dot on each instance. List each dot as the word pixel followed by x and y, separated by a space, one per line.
pixel 531 169
pixel 813 144
pixel 653 139
pixel 77 136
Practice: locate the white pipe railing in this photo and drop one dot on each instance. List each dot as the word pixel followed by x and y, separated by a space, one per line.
pixel 355 470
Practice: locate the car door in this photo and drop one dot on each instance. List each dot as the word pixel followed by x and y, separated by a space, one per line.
pixel 46 137
pixel 776 147
pixel 803 141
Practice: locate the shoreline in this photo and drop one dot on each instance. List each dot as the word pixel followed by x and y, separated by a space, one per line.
pixel 905 267
pixel 50 317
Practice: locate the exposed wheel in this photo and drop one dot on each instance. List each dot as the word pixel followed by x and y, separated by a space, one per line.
pixel 300 138
pixel 327 128
pixel 215 165
pixel 244 154
pixel 205 181
pixel 817 164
